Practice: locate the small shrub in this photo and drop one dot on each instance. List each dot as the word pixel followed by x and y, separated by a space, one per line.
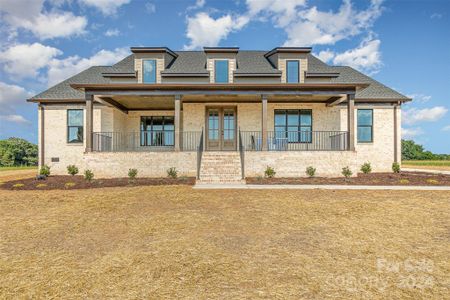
pixel 172 173
pixel 269 172
pixel 347 172
pixel 432 181
pixel 45 170
pixel 132 173
pixel 366 168
pixel 88 175
pixel 41 185
pixel 18 185
pixel 310 171
pixel 68 185
pixel 72 170
pixel 404 181
pixel 259 177
pixel 396 167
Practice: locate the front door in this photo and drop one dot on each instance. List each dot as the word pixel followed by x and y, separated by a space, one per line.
pixel 221 128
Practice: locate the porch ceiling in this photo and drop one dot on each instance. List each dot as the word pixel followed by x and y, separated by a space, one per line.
pixel 126 103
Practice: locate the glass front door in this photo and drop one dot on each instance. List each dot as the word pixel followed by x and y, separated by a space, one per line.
pixel 221 129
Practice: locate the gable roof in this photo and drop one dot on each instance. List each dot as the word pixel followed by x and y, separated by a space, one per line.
pixel 249 63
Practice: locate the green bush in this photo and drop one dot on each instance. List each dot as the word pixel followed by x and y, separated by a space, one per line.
pixel 172 173
pixel 88 175
pixel 45 170
pixel 269 172
pixel 366 168
pixel 347 172
pixel 72 170
pixel 396 167
pixel 310 171
pixel 132 173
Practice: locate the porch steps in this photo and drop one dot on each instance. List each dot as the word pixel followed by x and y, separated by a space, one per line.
pixel 220 167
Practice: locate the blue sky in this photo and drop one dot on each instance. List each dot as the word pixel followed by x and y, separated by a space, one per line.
pixel 403 44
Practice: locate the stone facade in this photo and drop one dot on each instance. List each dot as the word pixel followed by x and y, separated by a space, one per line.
pixel 58 153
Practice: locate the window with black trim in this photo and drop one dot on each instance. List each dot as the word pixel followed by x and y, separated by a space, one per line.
pixel 365 125
pixel 292 71
pixel 294 124
pixel 157 131
pixel 75 126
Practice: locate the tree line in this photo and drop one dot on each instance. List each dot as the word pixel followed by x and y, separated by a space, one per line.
pixel 18 152
pixel 413 151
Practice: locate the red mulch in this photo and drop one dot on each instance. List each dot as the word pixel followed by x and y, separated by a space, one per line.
pixel 403 178
pixel 78 182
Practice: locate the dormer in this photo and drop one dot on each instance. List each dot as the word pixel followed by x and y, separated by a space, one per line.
pixel 291 61
pixel 149 62
pixel 221 63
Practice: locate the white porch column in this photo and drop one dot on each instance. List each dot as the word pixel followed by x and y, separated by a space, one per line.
pixel 264 122
pixel 177 122
pixel 351 121
pixel 89 121
pixel 41 159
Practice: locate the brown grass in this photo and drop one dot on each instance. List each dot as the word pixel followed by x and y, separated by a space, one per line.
pixel 175 242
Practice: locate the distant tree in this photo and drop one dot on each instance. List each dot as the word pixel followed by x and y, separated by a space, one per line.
pixel 413 151
pixel 16 151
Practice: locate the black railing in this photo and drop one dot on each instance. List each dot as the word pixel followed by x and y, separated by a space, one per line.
pixel 241 153
pixel 296 140
pixel 199 154
pixel 154 140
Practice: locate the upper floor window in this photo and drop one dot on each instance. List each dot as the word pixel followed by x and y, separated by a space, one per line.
pixel 221 71
pixel 74 125
pixel 149 71
pixel 365 125
pixel 292 71
pixel 295 125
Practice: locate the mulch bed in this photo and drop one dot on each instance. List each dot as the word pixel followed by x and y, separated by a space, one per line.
pixel 403 178
pixel 68 182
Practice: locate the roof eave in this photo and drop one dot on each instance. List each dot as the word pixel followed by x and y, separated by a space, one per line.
pixel 288 50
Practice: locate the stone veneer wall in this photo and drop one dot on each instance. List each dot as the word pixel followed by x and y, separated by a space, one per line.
pixel 294 163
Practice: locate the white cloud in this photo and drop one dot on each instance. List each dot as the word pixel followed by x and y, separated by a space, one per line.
pixel 366 57
pixel 25 60
pixel 198 4
pixel 107 7
pixel 282 12
pixel 446 128
pixel 112 32
pixel 409 133
pixel 11 96
pixel 203 30
pixel 15 119
pixel 313 27
pixel 61 69
pixel 414 115
pixel 28 15
pixel 436 16
pixel 421 98
pixel 150 7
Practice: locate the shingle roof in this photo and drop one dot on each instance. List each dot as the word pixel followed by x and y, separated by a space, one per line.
pixel 248 62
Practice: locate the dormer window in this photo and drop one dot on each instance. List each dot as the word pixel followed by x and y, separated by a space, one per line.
pixel 221 71
pixel 292 71
pixel 149 71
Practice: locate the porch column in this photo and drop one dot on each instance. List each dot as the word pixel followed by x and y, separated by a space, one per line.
pixel 89 120
pixel 351 121
pixel 264 122
pixel 177 122
pixel 41 160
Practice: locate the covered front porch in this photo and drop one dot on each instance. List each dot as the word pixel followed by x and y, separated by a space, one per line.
pixel 145 118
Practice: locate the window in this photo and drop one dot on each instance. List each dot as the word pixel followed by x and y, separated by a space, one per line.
pixel 74 125
pixel 149 70
pixel 157 131
pixel 294 124
pixel 221 71
pixel 365 125
pixel 292 71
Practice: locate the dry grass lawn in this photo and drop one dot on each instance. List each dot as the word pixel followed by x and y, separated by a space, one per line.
pixel 175 242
